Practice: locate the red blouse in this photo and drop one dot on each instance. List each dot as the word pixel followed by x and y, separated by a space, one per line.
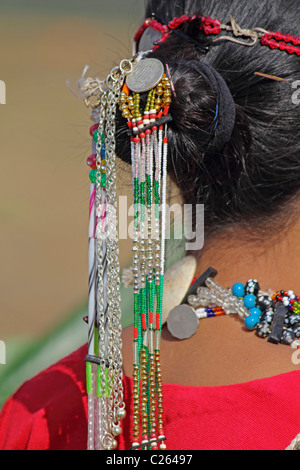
pixel 49 412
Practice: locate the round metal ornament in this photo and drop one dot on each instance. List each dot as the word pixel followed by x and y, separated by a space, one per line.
pixel 145 75
pixel 182 322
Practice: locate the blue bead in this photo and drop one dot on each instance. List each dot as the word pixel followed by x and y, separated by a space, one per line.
pixel 255 311
pixel 238 289
pixel 251 322
pixel 249 301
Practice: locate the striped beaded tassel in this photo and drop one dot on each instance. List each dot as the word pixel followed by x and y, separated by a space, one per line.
pixel 149 155
pixel 149 147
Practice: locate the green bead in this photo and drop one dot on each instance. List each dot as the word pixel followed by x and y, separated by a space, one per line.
pixel 89 380
pixel 96 136
pixel 93 176
pixel 99 394
pixel 103 180
pixel 296 306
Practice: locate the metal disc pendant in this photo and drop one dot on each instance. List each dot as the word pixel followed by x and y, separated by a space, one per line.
pixel 145 75
pixel 182 322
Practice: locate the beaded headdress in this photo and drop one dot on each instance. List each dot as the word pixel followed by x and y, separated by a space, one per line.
pixel 147 130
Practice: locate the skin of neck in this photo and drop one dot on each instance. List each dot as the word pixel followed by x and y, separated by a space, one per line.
pixel 238 257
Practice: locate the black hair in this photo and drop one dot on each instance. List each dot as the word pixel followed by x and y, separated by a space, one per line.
pixel 255 178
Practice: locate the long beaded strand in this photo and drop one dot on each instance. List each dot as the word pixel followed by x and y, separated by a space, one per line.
pixel 149 166
pixel 104 360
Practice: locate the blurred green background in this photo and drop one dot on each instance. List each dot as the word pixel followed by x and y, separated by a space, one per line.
pixel 44 186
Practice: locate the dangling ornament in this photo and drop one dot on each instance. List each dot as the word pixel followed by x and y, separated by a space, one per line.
pixel 149 148
pixel 147 131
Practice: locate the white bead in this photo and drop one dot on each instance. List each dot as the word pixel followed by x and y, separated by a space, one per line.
pixel 285 301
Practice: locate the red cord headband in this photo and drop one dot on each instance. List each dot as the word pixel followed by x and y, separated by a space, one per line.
pixel 275 40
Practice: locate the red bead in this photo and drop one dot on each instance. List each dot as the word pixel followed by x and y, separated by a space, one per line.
pixel 142 135
pixel 93 128
pixel 290 49
pixel 154 128
pixel 282 46
pixel 91 161
pixel 216 30
pixel 136 140
pixel 278 36
pixel 148 132
pixel 268 35
pixel 273 44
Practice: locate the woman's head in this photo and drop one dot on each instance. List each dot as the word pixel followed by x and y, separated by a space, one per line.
pixel 254 177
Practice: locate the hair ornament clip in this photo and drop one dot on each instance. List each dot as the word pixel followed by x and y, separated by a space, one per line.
pixel 209 26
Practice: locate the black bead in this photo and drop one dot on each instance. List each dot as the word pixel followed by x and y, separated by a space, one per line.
pixel 296 330
pixel 263 329
pixel 252 287
pixel 268 316
pixel 263 302
pixel 293 320
pixel 288 336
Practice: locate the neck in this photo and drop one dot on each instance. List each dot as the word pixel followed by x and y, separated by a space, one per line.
pixel 237 258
